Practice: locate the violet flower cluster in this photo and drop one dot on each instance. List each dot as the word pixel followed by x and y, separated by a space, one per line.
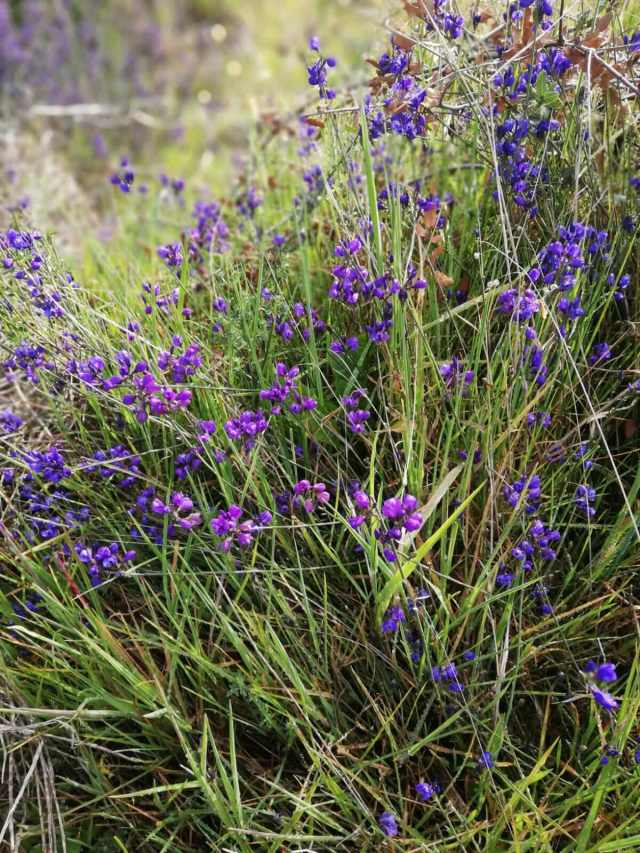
pixel 400 516
pixel 155 517
pixel 145 394
pixel 356 416
pixel 285 392
pixel 103 561
pixel 318 71
pixel 232 530
pixel 605 673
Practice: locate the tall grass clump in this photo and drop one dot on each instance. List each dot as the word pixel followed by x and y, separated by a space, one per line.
pixel 320 500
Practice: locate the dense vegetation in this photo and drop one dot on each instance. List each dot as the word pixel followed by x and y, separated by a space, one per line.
pixel 319 499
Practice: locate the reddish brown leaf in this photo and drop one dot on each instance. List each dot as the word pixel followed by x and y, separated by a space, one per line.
pixel 595 39
pixel 429 218
pixel 402 42
pixel 442 280
pixel 528 31
pixel 419 8
pixel 486 14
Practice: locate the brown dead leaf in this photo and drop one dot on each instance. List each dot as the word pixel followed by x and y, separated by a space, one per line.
pixel 430 218
pixel 438 241
pixel 395 107
pixel 528 30
pixel 596 39
pixel 419 8
pixel 529 36
pixel 402 42
pixel 486 14
pixel 442 279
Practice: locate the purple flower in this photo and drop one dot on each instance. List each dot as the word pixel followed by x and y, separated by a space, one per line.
pixel 171 254
pixel 103 559
pixel 452 25
pixel 150 397
pixel 402 516
pixel 307 497
pixel 388 824
pixel 606 672
pixel 378 331
pixel 571 308
pixel 527 489
pixel 287 391
pixel 604 699
pixel 344 344
pixel 584 499
pixel 28 358
pixel 392 508
pixel 49 465
pixel 600 352
pixel 118 465
pixel 454 373
pixel 519 306
pixel 318 71
pixel 393 618
pixel 486 759
pixel 124 178
pixel 232 530
pixel 448 673
pixel 560 261
pixel 249 202
pixel 425 791
pixel 160 507
pixel 543 539
pixel 363 505
pixel 180 366
pixel 356 417
pixel 395 63
pixel 247 426
pixel 9 422
pixel 538 368
pixel 210 233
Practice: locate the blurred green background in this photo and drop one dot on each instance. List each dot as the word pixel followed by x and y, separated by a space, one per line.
pixel 177 87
